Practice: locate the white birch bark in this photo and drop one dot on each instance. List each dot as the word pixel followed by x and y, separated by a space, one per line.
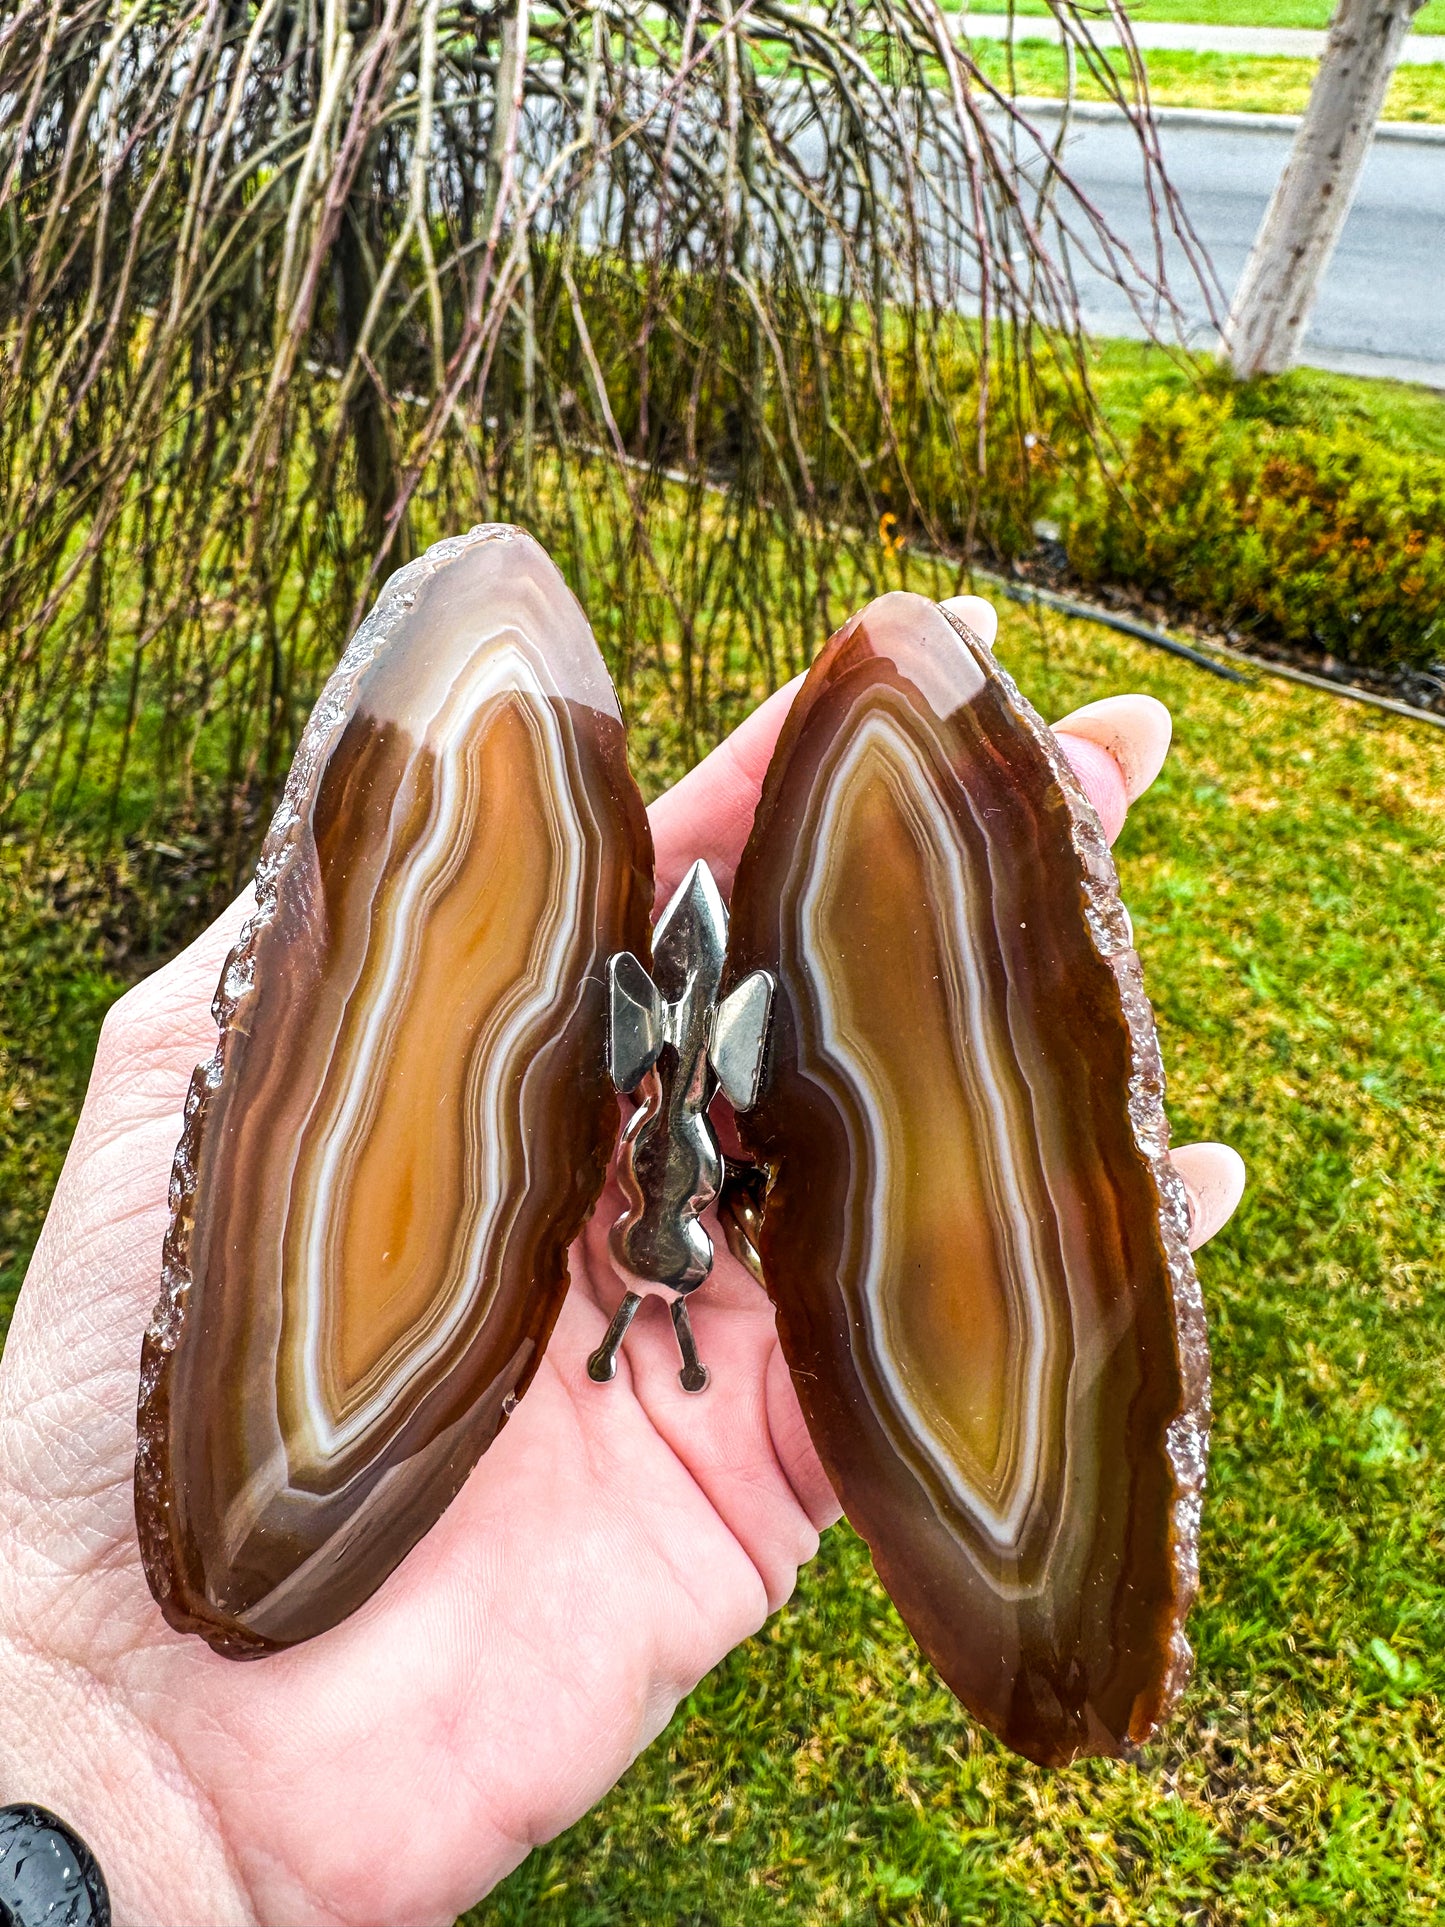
pixel 1298 234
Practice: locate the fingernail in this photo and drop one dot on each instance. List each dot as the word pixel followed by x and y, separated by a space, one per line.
pixel 1213 1176
pixel 976 614
pixel 1134 730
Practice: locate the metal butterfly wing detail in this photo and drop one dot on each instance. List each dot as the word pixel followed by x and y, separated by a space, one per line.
pixel 671 1035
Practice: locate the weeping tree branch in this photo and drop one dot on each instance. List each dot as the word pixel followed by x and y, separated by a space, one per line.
pixel 702 289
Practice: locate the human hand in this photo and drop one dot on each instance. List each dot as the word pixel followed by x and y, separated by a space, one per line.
pixel 607 1552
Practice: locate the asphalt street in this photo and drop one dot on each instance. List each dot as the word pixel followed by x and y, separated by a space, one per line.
pixel 1381 309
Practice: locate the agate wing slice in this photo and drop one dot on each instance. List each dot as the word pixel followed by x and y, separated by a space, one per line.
pixel 408 1116
pixel 972 1234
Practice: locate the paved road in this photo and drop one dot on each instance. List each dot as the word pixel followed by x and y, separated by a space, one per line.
pixel 1420 49
pixel 1382 307
pixel 1381 310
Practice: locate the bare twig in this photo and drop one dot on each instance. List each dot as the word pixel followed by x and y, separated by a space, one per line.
pixel 702 288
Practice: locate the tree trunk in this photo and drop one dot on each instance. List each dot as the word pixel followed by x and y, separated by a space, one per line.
pixel 1297 237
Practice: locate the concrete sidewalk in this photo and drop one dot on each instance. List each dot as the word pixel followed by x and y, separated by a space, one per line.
pixel 1182 36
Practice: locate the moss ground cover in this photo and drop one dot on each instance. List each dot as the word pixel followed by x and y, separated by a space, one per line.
pixel 1235 83
pixel 1285 879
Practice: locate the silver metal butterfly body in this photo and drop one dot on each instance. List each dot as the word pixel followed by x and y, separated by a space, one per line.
pixel 672 1039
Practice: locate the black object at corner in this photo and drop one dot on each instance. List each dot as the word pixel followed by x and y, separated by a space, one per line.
pixel 48 1876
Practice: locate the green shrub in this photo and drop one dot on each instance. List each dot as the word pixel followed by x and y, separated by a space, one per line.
pixel 1255 518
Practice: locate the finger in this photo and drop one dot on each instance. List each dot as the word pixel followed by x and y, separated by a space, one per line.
pixel 1135 730
pixel 1116 747
pixel 1213 1176
pixel 710 812
pixel 978 616
pixel 795 1450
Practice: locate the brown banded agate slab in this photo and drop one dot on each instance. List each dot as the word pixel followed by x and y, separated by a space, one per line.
pixel 973 1237
pixel 408 1115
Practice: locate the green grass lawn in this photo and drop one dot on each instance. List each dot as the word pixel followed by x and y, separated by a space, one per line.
pixel 1217 13
pixel 56 981
pixel 1400 415
pixel 1237 83
pixel 1284 877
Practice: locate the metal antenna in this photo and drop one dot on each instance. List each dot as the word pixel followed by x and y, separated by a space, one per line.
pixel 670 1037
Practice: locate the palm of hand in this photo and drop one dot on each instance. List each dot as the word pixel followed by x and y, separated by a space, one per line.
pixel 607 1552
